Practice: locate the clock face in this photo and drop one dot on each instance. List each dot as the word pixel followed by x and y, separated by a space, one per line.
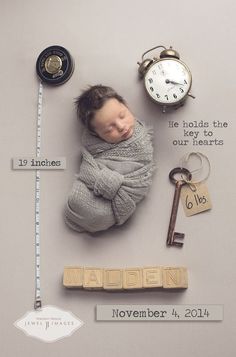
pixel 168 81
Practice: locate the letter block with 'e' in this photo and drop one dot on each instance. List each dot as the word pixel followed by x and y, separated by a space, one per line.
pixel 152 277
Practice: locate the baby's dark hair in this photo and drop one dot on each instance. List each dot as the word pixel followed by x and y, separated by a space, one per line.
pixel 92 100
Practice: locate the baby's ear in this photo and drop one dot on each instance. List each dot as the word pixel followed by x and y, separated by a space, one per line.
pixel 91 129
pixel 92 132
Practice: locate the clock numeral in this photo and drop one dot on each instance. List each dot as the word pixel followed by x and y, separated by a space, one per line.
pixel 185 81
pixel 154 72
pixel 150 80
pixel 167 97
pixel 174 95
pixel 160 66
pixel 158 95
pixel 181 90
pixel 151 89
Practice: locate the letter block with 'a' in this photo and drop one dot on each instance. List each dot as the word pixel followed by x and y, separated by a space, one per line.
pixel 93 278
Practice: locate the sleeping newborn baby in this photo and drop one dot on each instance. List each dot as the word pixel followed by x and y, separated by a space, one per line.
pixel 116 166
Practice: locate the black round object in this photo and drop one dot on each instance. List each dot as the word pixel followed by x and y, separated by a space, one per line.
pixel 54 65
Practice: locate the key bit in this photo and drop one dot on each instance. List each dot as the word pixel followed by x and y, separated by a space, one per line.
pixel 177 235
pixel 172 239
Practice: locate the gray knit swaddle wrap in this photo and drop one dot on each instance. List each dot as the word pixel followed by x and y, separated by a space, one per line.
pixel 113 178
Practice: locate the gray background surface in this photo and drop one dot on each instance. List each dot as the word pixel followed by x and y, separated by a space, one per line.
pixel 106 39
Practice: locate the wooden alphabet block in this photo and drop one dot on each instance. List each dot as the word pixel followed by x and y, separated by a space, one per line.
pixel 113 279
pixel 132 278
pixel 174 277
pixel 152 277
pixel 125 279
pixel 73 277
pixel 93 278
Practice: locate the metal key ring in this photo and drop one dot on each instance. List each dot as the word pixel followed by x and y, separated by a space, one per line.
pixel 180 170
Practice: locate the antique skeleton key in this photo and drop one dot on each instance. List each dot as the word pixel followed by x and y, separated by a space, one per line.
pixel 179 182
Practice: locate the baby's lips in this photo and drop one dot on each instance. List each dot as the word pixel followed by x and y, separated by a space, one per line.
pixel 127 133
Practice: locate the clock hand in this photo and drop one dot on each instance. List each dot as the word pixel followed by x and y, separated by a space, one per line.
pixel 173 82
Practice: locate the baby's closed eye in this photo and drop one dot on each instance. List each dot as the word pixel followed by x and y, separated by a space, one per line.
pixel 122 115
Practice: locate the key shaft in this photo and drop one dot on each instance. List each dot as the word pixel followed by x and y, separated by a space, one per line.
pixel 173 217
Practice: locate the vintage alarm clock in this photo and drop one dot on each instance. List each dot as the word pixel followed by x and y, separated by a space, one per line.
pixel 54 65
pixel 167 80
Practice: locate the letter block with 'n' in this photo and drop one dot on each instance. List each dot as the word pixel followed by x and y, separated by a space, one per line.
pixel 174 277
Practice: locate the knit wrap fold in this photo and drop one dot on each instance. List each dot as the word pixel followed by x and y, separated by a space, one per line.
pixel 113 178
pixel 108 183
pixel 102 180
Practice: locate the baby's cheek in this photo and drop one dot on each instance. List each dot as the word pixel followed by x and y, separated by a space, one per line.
pixel 113 137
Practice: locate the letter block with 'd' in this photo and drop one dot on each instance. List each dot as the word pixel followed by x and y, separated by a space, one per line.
pixel 132 278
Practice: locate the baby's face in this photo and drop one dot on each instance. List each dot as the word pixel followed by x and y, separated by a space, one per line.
pixel 113 122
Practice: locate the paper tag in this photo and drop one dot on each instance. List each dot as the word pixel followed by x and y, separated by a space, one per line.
pixel 195 199
pixel 39 163
pixel 49 324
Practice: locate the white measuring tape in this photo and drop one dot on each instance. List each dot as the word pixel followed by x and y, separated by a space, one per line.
pixel 51 59
pixel 37 301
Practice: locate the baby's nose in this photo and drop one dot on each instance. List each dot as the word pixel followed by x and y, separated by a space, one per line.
pixel 120 126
